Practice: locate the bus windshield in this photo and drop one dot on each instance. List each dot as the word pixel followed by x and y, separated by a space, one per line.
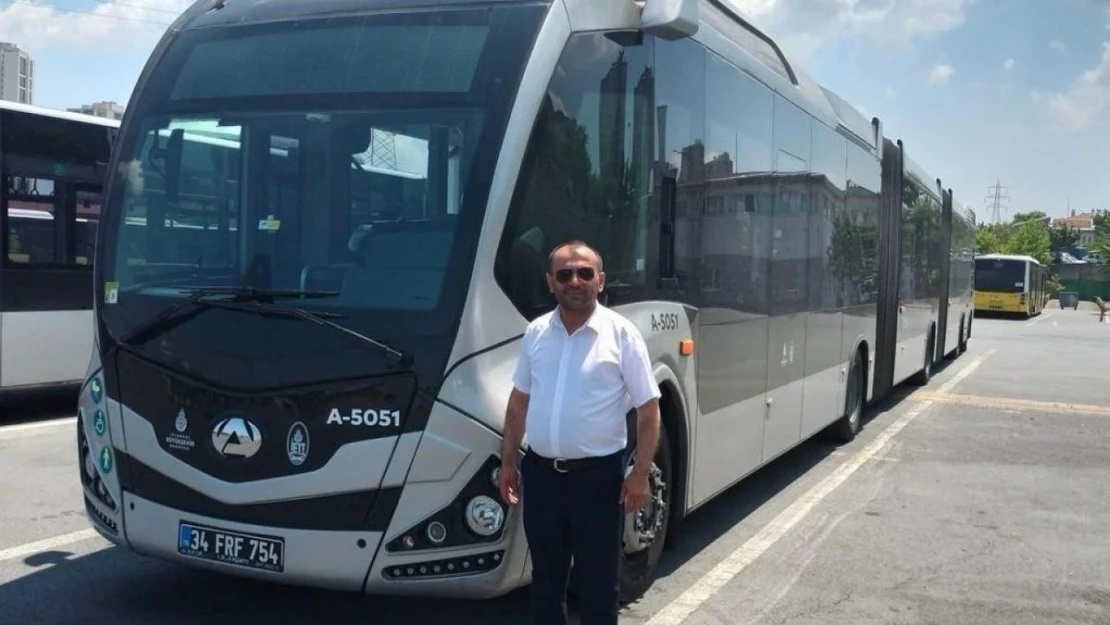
pixel 999 275
pixel 350 156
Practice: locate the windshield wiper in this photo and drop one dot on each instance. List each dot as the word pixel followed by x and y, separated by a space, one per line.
pixel 174 316
pixel 252 294
pixel 253 300
pixel 402 359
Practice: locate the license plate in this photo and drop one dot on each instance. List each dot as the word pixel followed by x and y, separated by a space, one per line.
pixel 218 545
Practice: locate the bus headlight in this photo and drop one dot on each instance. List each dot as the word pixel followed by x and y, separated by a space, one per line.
pixel 436 532
pixel 484 516
pixel 475 516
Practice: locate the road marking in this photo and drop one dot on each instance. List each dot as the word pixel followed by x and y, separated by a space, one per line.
pixel 1040 318
pixel 702 590
pixel 1015 405
pixel 848 454
pixel 46 544
pixel 7 430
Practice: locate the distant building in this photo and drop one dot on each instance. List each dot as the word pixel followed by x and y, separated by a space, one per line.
pixel 111 110
pixel 17 74
pixel 1083 222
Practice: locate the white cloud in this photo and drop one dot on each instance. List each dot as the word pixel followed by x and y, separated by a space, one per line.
pixel 1009 64
pixel 804 25
pixel 941 73
pixel 891 93
pixel 1089 97
pixel 1057 45
pixel 130 23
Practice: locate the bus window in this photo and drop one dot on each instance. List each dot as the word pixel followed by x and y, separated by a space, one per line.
pixel 30 220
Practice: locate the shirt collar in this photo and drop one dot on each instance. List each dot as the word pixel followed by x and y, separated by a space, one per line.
pixel 593 322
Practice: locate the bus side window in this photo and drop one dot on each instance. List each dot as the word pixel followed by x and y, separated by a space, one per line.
pixel 87 218
pixel 31 228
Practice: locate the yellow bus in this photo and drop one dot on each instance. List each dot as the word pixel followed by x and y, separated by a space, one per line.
pixel 1010 283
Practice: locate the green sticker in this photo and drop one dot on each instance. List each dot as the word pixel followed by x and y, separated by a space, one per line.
pixel 96 390
pixel 106 460
pixel 100 423
pixel 269 224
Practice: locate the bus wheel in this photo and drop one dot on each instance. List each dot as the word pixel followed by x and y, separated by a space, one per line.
pixel 922 377
pixel 645 530
pixel 962 346
pixel 846 428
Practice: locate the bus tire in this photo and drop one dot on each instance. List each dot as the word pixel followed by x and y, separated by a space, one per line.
pixel 961 347
pixel 844 430
pixel 638 563
pixel 922 377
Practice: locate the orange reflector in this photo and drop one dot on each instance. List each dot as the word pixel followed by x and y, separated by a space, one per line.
pixel 686 347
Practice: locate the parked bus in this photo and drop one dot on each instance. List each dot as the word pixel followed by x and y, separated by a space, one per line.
pixel 53 165
pixel 1010 283
pixel 959 240
pixel 310 389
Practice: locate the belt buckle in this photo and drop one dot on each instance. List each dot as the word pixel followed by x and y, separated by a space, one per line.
pixel 557 465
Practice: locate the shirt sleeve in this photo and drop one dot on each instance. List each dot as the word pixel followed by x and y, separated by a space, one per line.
pixel 639 378
pixel 522 376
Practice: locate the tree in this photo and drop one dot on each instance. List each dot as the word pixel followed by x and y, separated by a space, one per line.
pixel 1030 216
pixel 1101 247
pixel 1031 239
pixel 1063 238
pixel 991 238
pixel 1028 234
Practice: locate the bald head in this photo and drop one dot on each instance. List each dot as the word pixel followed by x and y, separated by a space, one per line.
pixel 574 249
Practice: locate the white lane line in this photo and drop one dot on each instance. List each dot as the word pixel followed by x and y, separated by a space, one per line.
pixel 46 544
pixel 1040 318
pixel 702 590
pixel 7 430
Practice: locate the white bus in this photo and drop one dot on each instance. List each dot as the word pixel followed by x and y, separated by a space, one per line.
pixel 53 165
pixel 307 385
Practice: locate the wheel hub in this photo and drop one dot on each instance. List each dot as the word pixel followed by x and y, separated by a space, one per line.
pixel 641 527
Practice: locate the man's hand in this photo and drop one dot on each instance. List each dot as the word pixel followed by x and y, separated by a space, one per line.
pixel 508 481
pixel 509 478
pixel 635 492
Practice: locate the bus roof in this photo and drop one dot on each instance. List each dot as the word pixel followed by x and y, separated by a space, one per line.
pixel 722 19
pixel 58 114
pixel 1019 257
pixel 915 171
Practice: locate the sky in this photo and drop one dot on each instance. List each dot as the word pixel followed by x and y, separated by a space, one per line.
pixel 981 92
pixel 1015 92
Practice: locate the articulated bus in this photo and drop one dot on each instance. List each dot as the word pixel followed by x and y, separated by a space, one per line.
pixel 1010 283
pixel 53 165
pixel 327 225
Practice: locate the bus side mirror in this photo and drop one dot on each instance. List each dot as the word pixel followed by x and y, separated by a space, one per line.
pixel 670 19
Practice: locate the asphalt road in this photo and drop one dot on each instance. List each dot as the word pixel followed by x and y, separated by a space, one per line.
pixel 981 498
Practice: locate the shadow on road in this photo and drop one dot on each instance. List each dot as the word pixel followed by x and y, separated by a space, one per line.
pixel 115 586
pixel 717 517
pixel 28 406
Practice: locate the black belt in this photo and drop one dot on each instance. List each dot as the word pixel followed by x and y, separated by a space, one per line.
pixel 566 465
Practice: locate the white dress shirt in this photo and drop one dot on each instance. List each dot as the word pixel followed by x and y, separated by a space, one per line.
pixel 582 385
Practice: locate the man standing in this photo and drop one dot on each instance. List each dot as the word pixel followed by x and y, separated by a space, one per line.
pixel 581 368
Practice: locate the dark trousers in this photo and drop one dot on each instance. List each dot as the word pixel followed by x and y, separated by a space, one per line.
pixel 577 513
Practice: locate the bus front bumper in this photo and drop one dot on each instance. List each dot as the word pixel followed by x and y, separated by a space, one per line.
pixel 332 560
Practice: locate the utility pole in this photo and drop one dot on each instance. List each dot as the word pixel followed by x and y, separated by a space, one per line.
pixel 995 199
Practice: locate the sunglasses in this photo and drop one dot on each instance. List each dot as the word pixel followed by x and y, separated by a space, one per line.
pixel 585 274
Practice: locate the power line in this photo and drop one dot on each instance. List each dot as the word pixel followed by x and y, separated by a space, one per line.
pixel 89 13
pixel 994 200
pixel 136 6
